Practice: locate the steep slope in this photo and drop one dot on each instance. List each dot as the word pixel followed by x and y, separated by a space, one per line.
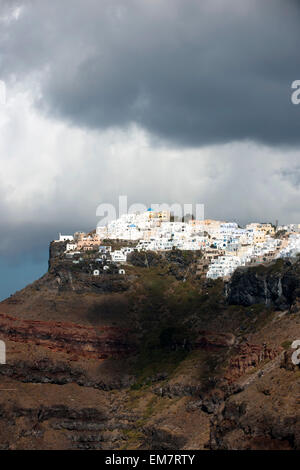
pixel 155 359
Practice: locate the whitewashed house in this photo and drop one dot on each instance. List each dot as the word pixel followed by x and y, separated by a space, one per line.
pixel 118 256
pixel 65 238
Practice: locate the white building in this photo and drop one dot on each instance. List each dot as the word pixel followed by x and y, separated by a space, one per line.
pixel 154 231
pixel 118 256
pixel 64 238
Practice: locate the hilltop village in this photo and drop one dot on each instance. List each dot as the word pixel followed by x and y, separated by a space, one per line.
pixel 224 245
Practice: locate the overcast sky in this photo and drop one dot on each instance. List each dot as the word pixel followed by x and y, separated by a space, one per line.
pixel 162 100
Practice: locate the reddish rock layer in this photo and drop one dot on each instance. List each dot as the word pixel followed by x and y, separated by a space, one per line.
pixel 93 342
pixel 249 356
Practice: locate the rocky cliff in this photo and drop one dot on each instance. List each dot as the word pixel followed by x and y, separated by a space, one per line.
pixel 155 359
pixel 274 284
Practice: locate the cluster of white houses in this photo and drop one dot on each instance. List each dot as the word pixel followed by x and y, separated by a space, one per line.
pixel 224 244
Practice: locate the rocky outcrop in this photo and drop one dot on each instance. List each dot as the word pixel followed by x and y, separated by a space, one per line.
pixel 237 428
pixel 56 251
pixel 275 284
pixel 248 357
pixel 45 371
pixel 162 438
pixel 264 413
pixel 85 428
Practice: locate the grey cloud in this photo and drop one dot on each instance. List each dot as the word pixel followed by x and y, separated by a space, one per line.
pixel 192 73
pixel 291 175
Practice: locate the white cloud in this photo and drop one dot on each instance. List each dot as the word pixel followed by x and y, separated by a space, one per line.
pixel 53 175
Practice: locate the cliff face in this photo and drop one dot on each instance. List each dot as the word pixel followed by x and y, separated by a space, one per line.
pixel 97 342
pixel 264 415
pixel 56 251
pixel 276 284
pixel 155 359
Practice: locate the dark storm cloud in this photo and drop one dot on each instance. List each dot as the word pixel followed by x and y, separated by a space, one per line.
pixel 190 72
